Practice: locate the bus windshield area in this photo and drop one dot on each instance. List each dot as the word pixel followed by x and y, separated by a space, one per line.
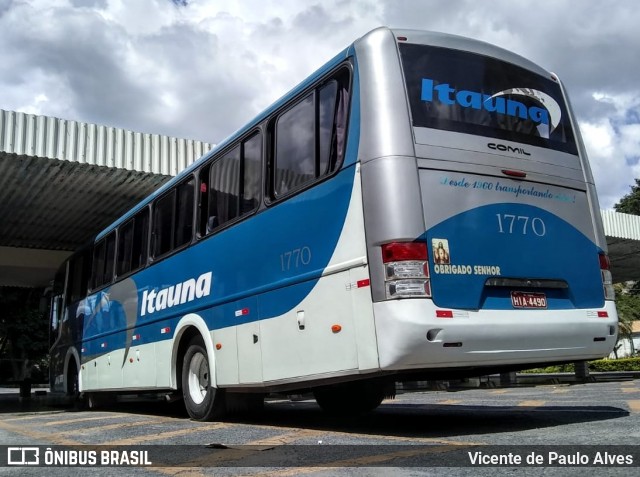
pixel 464 92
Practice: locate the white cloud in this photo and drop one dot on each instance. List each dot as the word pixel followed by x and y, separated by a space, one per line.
pixel 613 146
pixel 202 70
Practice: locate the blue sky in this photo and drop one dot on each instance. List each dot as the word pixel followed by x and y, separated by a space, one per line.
pixel 201 69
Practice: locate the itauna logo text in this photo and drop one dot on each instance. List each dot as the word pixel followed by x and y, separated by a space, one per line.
pixel 178 294
pixel 548 115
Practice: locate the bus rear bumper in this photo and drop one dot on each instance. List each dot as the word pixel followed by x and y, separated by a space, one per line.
pixel 412 336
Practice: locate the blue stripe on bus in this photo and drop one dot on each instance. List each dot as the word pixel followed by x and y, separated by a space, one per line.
pixel 550 248
pixel 260 257
pixel 312 220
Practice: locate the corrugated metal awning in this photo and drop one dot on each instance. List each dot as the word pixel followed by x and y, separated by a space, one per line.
pixel 623 241
pixel 61 182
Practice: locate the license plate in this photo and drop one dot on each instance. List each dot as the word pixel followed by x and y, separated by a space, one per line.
pixel 528 300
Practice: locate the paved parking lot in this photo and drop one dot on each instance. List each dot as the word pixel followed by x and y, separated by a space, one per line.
pixel 415 434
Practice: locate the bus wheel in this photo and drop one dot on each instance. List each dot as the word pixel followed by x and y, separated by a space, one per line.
pixel 73 387
pixel 203 402
pixel 351 399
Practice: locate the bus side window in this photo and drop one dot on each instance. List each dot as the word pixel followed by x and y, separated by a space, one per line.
pixel 132 243
pixel 125 247
pixel 251 173
pixel 140 249
pixel 224 189
pixel 163 218
pixel 103 261
pixel 97 270
pixel 184 213
pixel 109 258
pixel 203 200
pixel 173 219
pixel 308 139
pixel 327 94
pixel 295 162
pixel 78 278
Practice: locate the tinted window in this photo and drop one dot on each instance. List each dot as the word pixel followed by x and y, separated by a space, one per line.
pixel 173 218
pixel 140 249
pixel 310 137
pixel 464 92
pixel 98 265
pixel 224 189
pixel 132 243
pixel 184 213
pixel 78 277
pixel 103 261
pixel 125 247
pixel 163 224
pixel 328 95
pixel 252 173
pixel 295 147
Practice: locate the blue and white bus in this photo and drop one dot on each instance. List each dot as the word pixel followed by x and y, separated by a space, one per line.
pixel 419 207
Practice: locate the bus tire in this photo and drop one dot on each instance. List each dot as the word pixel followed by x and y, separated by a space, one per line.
pixel 73 387
pixel 203 401
pixel 351 399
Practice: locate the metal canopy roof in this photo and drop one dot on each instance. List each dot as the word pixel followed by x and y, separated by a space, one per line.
pixel 623 241
pixel 62 181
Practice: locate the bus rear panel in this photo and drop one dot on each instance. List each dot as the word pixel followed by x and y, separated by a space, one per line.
pixel 493 257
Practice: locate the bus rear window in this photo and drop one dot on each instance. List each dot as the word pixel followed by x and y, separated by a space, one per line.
pixel 469 93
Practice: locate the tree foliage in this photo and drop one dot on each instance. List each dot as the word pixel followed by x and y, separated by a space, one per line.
pixel 24 332
pixel 630 203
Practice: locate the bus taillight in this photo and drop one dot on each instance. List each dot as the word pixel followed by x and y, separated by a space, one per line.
pixel 406 268
pixel 607 279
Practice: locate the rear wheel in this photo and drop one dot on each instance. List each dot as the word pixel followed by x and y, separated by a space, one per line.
pixel 352 399
pixel 73 387
pixel 202 400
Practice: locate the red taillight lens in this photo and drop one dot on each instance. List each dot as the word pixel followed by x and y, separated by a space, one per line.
pixel 605 264
pixel 406 269
pixel 512 173
pixel 398 251
pixel 607 278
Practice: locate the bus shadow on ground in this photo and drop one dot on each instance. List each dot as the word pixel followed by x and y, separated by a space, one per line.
pixel 437 420
pixel 404 420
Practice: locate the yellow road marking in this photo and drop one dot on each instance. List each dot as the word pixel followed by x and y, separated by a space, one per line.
pixel 111 427
pixel 37 415
pixel 165 435
pixel 499 391
pixel 83 419
pixel 629 390
pixel 219 459
pixel 360 461
pixel 450 401
pixel 36 435
pixel 531 403
pixel 560 391
pixel 286 438
pixel 634 405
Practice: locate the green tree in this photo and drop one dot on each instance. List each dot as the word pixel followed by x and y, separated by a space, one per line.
pixel 24 332
pixel 630 203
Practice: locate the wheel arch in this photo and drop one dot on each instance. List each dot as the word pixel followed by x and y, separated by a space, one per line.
pixel 72 354
pixel 189 326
